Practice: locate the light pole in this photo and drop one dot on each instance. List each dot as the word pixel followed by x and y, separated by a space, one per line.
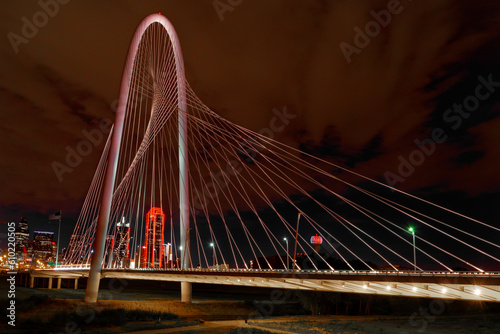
pixel 58 237
pixel 213 253
pixel 287 256
pixel 295 248
pixel 412 231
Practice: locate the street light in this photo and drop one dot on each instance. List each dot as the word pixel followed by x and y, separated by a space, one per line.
pixel 412 231
pixel 213 253
pixel 287 256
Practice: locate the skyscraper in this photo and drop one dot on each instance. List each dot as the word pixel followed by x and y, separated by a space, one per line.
pixel 43 247
pixel 22 236
pixel 155 224
pixel 108 251
pixel 31 247
pixel 167 255
pixel 54 254
pixel 122 243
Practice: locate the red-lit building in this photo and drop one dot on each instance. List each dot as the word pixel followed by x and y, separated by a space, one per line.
pixel 316 241
pixel 155 225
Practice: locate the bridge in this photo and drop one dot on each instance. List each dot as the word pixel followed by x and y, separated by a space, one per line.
pixel 182 194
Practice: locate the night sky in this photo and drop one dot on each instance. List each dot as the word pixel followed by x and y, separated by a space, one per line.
pixel 364 110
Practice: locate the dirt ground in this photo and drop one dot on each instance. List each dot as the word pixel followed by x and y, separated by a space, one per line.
pixel 487 324
pixel 228 316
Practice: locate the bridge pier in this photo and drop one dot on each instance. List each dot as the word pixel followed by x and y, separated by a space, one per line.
pixel 186 292
pixel 92 287
pixel 32 281
pixel 76 283
pixel 50 283
pixel 58 283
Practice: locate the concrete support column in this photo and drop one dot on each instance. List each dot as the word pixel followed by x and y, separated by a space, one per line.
pixel 32 281
pixel 186 292
pixel 59 282
pixel 76 283
pixel 50 283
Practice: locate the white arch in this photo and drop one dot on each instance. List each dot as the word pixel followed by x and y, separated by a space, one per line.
pixel 109 180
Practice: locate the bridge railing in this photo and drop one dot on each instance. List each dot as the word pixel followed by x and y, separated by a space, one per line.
pixel 322 272
pixel 289 272
pixel 73 267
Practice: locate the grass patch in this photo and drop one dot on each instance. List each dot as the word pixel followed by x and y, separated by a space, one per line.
pixel 26 304
pixel 88 319
pixel 32 302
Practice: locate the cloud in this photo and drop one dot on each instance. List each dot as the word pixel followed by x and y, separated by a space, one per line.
pixel 468 157
pixel 263 55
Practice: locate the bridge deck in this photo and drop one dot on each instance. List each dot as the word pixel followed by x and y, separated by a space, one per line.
pixel 446 285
